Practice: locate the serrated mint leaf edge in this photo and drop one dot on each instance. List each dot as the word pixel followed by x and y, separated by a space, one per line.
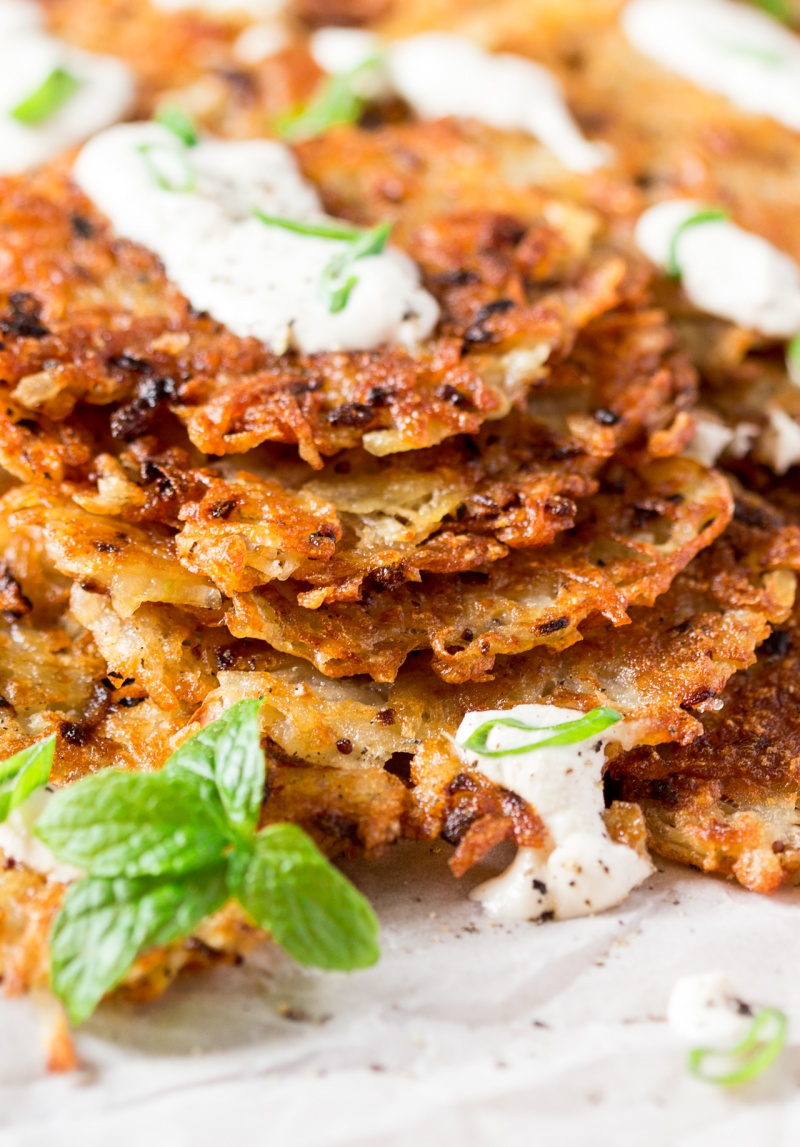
pixel 345 939
pixel 78 976
pixel 24 773
pixel 129 842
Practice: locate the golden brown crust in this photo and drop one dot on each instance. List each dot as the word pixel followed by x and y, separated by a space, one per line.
pixel 728 801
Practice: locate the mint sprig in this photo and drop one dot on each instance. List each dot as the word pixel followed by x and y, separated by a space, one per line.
pixel 338 276
pixel 23 773
pixel 760 1047
pixel 566 733
pixel 163 850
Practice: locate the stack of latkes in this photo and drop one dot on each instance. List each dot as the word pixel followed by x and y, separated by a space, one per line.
pixel 375 542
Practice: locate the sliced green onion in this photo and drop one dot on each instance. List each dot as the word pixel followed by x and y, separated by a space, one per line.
pixel 705 215
pixel 793 359
pixel 767 56
pixel 50 97
pixel 180 123
pixel 777 8
pixel 336 282
pixel 567 733
pixel 337 101
pixel 760 1047
pixel 332 230
pixel 163 177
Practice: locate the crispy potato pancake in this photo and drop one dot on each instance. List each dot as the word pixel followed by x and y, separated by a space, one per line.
pixel 671 663
pixel 728 802
pixel 90 319
pixel 195 54
pixel 669 137
pixel 630 541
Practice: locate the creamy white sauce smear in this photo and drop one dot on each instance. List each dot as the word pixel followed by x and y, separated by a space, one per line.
pixel 725 270
pixel 582 871
pixel 439 74
pixel 19 844
pixel 28 56
pixel 707 1011
pixel 258 280
pixel 723 46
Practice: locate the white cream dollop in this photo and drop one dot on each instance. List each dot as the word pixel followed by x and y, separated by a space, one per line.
pixel 259 280
pixel 707 1011
pixel 581 870
pixel 723 46
pixel 28 56
pixel 725 270
pixel 18 842
pixel 439 74
pixel 779 444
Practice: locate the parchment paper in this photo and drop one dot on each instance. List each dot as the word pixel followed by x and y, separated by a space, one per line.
pixel 466 1033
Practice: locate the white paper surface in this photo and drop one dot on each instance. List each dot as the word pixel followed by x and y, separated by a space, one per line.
pixel 441 1043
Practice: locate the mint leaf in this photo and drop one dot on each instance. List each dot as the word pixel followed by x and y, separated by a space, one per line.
pixel 315 913
pixel 134 824
pixel 25 772
pixel 228 752
pixel 103 925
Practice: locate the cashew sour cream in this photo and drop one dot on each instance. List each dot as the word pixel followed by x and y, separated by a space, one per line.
pixel 723 46
pixel 194 207
pixel 439 74
pixel 52 95
pixel 723 269
pixel 581 870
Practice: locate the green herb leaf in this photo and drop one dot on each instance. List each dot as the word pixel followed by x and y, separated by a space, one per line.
pixel 228 752
pixel 49 98
pixel 777 8
pixel 103 925
pixel 339 100
pixel 180 123
pixel 760 1047
pixel 164 850
pixel 25 772
pixel 169 167
pixel 134 824
pixel 312 911
pixel 704 215
pixel 567 733
pixel 337 282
